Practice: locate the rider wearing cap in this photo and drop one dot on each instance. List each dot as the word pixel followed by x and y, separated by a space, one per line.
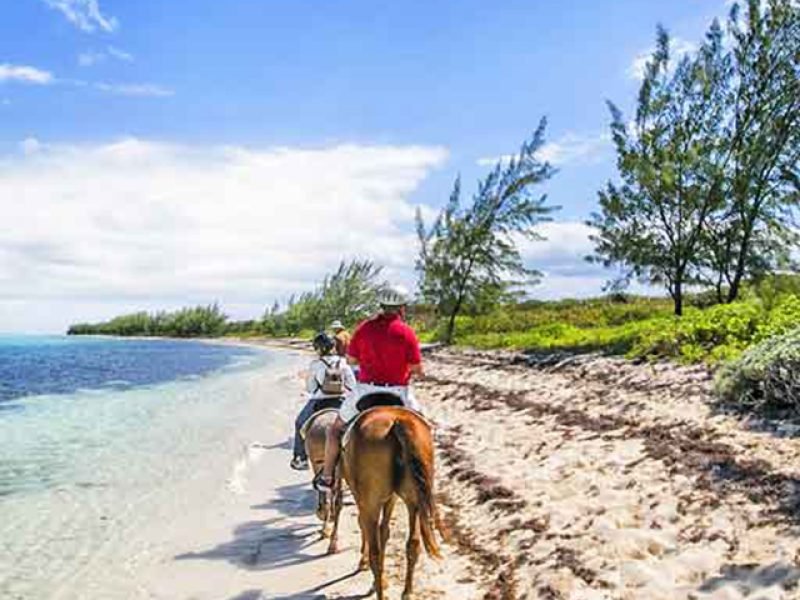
pixel 323 344
pixel 340 337
pixel 387 351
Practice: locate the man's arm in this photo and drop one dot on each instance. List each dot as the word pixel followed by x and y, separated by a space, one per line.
pixel 354 348
pixel 414 355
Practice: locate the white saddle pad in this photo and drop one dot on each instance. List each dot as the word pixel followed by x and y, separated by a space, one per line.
pixel 307 424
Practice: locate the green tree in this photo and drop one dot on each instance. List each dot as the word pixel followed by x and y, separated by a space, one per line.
pixel 350 293
pixel 652 224
pixel 754 232
pixel 470 254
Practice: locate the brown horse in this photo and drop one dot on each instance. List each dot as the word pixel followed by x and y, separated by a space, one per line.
pixel 329 506
pixel 389 453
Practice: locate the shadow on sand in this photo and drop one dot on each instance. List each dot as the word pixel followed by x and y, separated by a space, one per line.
pixel 271 543
pixel 263 545
pixel 315 593
pixel 275 543
pixel 749 579
pixel 295 500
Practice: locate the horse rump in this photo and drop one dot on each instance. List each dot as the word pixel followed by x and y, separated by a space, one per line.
pixel 416 463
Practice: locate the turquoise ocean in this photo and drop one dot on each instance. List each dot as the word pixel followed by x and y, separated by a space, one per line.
pixel 97 433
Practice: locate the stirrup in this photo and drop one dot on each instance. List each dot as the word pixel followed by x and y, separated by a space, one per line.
pixel 321 485
pixel 299 464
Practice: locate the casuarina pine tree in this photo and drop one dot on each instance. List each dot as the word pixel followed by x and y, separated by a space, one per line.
pixel 472 252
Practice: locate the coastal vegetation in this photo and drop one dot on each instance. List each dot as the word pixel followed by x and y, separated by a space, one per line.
pixel 200 321
pixel 708 166
pixel 704 206
pixel 348 294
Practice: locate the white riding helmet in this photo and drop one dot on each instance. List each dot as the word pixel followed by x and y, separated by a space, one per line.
pixel 393 295
pixel 337 324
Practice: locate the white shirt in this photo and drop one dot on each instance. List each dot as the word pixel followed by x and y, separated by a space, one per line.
pixel 316 375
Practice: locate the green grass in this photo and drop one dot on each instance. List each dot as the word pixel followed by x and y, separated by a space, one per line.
pixel 638 328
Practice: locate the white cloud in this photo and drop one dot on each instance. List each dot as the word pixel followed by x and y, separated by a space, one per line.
pixel 571 148
pixel 153 224
pixel 84 14
pixel 24 74
pixel 135 89
pixel 32 75
pixel 120 54
pixel 89 58
pixel 491 161
pixel 566 245
pixel 30 146
pixel 561 257
pixel 678 49
pixel 576 148
pixel 93 57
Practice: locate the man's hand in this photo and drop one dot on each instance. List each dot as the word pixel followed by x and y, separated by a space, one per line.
pixel 417 372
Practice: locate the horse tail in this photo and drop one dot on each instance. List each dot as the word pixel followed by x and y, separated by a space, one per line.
pixel 421 472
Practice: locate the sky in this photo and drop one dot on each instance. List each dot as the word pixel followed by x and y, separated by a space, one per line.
pixel 160 154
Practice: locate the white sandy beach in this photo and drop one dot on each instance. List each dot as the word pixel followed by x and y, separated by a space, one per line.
pixel 598 479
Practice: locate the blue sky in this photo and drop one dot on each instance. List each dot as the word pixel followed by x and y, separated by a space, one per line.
pixel 356 112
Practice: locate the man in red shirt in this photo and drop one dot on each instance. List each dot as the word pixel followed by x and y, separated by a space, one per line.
pixel 387 352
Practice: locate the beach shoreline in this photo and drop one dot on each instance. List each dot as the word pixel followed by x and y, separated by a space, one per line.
pixel 582 478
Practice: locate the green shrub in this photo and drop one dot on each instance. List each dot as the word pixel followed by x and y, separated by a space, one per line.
pixel 784 317
pixel 765 376
pixel 717 333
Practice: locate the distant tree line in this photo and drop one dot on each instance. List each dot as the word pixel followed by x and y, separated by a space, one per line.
pixel 348 294
pixel 200 321
pixel 710 181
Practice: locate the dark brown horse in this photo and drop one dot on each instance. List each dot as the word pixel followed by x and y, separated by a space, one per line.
pixel 389 454
pixel 329 506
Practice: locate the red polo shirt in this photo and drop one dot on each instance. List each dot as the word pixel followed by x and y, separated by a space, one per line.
pixel 385 348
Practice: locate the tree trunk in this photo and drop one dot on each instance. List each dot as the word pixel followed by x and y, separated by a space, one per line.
pixel 741 266
pixel 678 298
pixel 451 325
pixel 733 291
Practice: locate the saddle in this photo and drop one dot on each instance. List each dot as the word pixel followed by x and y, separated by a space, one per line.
pixel 322 405
pixel 371 402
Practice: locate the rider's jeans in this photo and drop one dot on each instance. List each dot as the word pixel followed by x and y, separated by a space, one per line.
pixel 305 415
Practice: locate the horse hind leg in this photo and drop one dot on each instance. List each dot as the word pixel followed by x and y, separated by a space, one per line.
pixel 386 521
pixel 363 563
pixel 413 545
pixel 335 511
pixel 385 529
pixel 369 521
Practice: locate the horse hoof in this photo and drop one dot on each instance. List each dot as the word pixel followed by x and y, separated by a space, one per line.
pixel 333 549
pixel 363 565
pixel 407 596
